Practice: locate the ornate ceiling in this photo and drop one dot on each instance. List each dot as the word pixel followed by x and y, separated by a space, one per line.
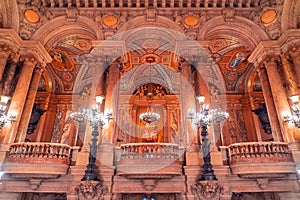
pixel 229 30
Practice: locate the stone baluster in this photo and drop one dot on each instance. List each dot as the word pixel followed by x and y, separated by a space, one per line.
pixel 27 111
pixel 279 97
pixel 266 88
pixel 18 99
pixel 172 3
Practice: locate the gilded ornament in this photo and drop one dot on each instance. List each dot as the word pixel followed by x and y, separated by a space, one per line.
pixel 191 20
pixel 109 20
pixel 268 16
pixel 32 16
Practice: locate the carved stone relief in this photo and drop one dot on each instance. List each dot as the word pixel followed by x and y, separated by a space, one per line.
pixel 235 130
pixel 170 196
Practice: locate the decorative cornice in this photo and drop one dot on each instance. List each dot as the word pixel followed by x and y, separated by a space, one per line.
pixel 13 40
pixel 275 47
pixel 263 50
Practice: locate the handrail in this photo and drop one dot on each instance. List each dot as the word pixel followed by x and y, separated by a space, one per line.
pixel 39 150
pixel 278 151
pixel 149 150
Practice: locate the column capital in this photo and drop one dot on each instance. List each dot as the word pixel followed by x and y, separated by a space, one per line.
pixel 29 58
pixel 271 59
pixel 6 49
pixel 40 67
pixel 263 51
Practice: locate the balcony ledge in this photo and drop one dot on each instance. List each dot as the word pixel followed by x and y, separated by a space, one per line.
pixel 35 170
pixel 263 170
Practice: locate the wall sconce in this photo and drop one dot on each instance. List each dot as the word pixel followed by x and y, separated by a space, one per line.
pixel 3 116
pixel 295 118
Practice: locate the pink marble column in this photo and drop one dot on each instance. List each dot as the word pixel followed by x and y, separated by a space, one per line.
pixel 290 80
pixel 187 90
pixel 10 76
pixel 279 97
pixel 295 56
pixel 4 54
pixel 111 99
pixel 26 114
pixel 18 99
pixel 275 125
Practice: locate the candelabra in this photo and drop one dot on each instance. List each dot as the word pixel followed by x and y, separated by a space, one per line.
pixel 295 118
pixel 3 117
pixel 91 185
pixel 204 119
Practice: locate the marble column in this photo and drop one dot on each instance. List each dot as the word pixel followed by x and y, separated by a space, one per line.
pixel 188 104
pixel 111 99
pixel 201 87
pixel 295 56
pixel 26 114
pixel 4 55
pixel 279 97
pixel 289 78
pixel 7 83
pixel 266 88
pixel 18 99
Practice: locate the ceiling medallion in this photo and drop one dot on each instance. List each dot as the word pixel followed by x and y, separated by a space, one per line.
pixel 191 20
pixel 32 16
pixel 110 20
pixel 268 16
pixel 150 59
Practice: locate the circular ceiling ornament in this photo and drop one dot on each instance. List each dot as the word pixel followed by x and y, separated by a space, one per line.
pixel 191 20
pixel 268 16
pixel 32 16
pixel 150 59
pixel 110 20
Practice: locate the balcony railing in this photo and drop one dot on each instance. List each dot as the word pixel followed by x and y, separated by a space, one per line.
pixel 260 159
pixel 35 159
pixel 149 150
pixel 260 152
pixel 150 160
pixel 39 152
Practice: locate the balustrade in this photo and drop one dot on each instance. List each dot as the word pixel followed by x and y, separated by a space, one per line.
pixel 35 152
pixel 251 152
pixel 158 3
pixel 149 150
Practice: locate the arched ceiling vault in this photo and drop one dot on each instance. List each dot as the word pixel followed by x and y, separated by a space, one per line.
pixel 229 29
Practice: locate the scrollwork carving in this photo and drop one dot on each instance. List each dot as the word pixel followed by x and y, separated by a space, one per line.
pixel 92 190
pixel 206 190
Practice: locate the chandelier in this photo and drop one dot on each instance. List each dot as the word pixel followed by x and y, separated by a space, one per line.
pixel 149 117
